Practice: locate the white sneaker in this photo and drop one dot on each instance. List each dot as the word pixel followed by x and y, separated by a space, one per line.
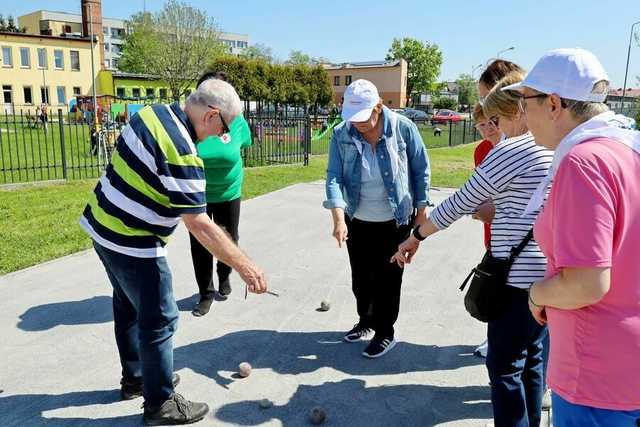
pixel 482 350
pixel 546 400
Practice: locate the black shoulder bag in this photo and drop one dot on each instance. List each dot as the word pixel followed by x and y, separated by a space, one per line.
pixel 485 298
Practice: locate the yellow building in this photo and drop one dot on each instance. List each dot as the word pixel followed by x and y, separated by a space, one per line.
pixel 38 68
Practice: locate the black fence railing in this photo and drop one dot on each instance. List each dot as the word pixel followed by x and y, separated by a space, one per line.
pixel 63 146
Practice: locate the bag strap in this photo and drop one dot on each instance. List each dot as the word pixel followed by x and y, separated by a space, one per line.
pixel 515 252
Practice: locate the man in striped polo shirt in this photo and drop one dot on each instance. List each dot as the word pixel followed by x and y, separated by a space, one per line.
pixel 155 179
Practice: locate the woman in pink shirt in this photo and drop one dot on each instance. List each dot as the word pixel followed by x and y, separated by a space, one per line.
pixel 589 231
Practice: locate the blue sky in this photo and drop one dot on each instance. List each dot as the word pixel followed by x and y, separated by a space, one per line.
pixel 468 32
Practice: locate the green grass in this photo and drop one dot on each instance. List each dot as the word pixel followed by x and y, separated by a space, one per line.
pixel 40 222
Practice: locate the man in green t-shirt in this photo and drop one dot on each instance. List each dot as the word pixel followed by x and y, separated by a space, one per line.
pixel 222 160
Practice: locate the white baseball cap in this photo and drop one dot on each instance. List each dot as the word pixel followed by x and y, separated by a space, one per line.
pixel 360 99
pixel 569 73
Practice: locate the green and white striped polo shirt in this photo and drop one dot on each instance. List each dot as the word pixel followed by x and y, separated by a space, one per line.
pixel 155 175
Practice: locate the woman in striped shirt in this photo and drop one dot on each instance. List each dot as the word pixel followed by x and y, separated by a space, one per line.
pixel 508 175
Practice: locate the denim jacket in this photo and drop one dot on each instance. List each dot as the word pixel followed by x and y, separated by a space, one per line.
pixel 407 189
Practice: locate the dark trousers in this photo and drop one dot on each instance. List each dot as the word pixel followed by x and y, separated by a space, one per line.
pixel 515 363
pixel 375 281
pixel 227 216
pixel 145 315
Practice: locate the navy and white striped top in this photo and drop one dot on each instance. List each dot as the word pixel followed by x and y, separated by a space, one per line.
pixel 508 175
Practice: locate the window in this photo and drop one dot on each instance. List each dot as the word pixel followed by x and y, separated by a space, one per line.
pixel 120 92
pixel 42 58
pixel 336 80
pixel 58 59
pixel 44 95
pixel 62 95
pixel 66 29
pixel 75 60
pixel 347 80
pixel 25 58
pixel 106 47
pixel 7 93
pixel 105 31
pixel 117 33
pixel 77 91
pixel 163 93
pixel 7 59
pixel 135 92
pixel 107 63
pixel 115 63
pixel 150 92
pixel 115 48
pixel 28 95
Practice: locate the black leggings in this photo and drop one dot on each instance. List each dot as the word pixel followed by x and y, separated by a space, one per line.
pixel 227 216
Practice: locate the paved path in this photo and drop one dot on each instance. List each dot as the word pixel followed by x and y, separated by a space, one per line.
pixel 60 367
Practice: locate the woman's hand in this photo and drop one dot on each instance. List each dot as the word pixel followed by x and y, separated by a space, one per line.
pixel 340 232
pixel 537 311
pixel 486 211
pixel 406 251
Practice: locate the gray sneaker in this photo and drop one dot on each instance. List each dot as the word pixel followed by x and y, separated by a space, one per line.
pixel 175 411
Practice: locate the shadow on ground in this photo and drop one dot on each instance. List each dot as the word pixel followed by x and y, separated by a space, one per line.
pixel 84 312
pixel 350 403
pixel 303 352
pixel 30 409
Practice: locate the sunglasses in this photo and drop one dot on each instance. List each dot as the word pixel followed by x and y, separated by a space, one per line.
pixel 225 128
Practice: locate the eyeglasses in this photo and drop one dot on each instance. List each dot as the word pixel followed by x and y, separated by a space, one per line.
pixel 522 101
pixel 488 125
pixel 225 128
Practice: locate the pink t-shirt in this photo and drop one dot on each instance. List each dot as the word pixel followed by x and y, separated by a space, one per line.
pixel 592 219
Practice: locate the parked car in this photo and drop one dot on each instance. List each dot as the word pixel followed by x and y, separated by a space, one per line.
pixel 418 116
pixel 445 116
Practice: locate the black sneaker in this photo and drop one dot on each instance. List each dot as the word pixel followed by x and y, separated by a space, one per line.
pixel 175 411
pixel 132 388
pixel 357 333
pixel 225 288
pixel 202 307
pixel 378 347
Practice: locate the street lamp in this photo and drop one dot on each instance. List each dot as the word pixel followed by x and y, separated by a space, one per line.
pixel 473 70
pixel 626 72
pixel 505 50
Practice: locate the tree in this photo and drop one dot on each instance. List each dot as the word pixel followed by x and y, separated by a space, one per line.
pixel 297 57
pixel 11 25
pixel 444 102
pixel 258 51
pixel 467 90
pixel 175 44
pixel 423 62
pixel 258 80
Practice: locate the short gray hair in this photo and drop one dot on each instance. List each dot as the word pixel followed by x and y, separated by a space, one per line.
pixel 585 110
pixel 220 94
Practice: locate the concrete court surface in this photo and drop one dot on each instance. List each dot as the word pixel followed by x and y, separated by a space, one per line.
pixel 60 365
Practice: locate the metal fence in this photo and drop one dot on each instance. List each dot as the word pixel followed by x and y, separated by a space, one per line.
pixel 64 147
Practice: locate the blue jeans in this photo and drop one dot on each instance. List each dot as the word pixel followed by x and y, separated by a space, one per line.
pixel 145 314
pixel 515 363
pixel 566 414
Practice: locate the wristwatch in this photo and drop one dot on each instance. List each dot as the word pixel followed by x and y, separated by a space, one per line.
pixel 416 233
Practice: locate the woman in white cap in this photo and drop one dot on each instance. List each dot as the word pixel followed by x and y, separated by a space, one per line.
pixel 509 175
pixel 377 179
pixel 589 230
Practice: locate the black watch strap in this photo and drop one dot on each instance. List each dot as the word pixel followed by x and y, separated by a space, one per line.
pixel 416 233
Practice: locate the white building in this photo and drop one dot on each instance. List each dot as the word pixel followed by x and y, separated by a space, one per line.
pixel 44 22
